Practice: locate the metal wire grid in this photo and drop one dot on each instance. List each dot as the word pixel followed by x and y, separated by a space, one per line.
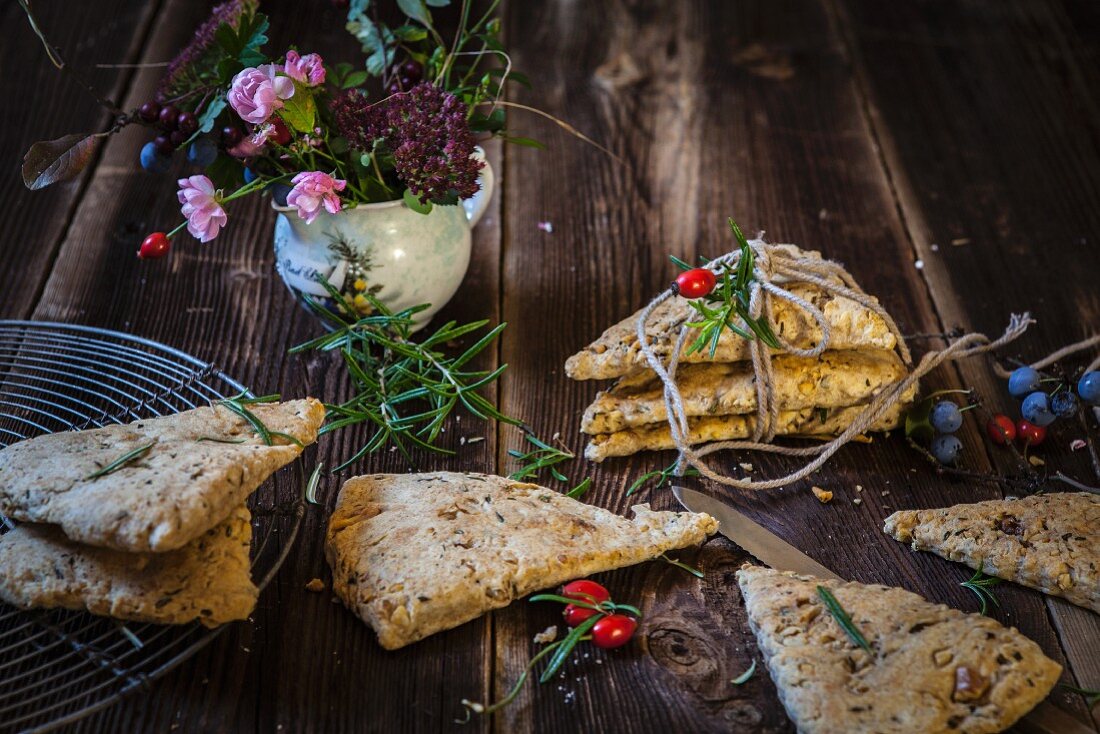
pixel 58 666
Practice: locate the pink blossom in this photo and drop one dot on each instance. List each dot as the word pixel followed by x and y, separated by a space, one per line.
pixel 308 69
pixel 204 214
pixel 312 190
pixel 256 93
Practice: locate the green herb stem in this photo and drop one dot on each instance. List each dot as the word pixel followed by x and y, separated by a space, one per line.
pixel 843 619
pixel 744 677
pixel 122 461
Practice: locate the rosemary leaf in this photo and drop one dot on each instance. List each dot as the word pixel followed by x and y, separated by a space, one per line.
pixel 312 483
pixel 980 585
pixel 680 564
pixel 1092 697
pixel 215 439
pixel 663 477
pixel 843 619
pixel 578 491
pixel 567 644
pixel 122 461
pixel 744 677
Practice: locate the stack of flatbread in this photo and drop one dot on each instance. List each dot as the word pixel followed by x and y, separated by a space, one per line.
pixel 414 554
pixel 163 536
pixel 815 396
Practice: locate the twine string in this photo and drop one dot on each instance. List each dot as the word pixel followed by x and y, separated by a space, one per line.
pixel 778 262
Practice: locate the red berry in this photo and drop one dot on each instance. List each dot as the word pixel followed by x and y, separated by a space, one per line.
pixel 153 246
pixel 1001 429
pixel 231 135
pixel 187 122
pixel 695 283
pixel 164 145
pixel 586 591
pixel 169 117
pixel 614 630
pixel 574 615
pixel 149 111
pixel 412 70
pixel 281 134
pixel 1029 433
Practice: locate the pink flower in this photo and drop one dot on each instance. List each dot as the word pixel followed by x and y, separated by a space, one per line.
pixel 256 93
pixel 204 214
pixel 312 190
pixel 307 69
pixel 246 148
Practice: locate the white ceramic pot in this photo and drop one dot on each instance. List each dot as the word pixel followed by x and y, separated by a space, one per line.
pixel 401 257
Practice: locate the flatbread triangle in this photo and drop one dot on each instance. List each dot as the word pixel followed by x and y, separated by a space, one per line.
pixel 413 554
pixel 932 668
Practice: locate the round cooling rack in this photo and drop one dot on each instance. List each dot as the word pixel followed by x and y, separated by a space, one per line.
pixel 58 666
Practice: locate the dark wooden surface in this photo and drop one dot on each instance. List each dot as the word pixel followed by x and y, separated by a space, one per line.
pixel 962 135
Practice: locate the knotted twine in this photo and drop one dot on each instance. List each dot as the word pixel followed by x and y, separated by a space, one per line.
pixel 774 264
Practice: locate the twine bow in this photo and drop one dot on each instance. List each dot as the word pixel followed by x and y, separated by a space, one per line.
pixel 775 264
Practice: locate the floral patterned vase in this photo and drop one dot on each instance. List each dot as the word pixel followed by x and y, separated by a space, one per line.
pixel 400 257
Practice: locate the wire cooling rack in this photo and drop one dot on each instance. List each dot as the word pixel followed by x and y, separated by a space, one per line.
pixel 58 666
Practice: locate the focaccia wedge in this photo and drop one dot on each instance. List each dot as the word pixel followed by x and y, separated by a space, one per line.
pixel 206 580
pixel 833 380
pixel 414 554
pixel 805 423
pixel 200 464
pixel 617 352
pixel 1050 542
pixel 931 668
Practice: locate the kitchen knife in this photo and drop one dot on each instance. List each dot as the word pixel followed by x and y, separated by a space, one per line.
pixel 1045 718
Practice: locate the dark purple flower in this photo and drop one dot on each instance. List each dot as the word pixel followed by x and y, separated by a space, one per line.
pixel 194 66
pixel 425 130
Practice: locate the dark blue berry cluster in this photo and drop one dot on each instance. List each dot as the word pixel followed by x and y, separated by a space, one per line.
pixel 1042 408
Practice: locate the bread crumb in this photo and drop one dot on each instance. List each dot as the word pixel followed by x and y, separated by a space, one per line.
pixel 823 495
pixel 1035 461
pixel 859 487
pixel 746 466
pixel 857 501
pixel 547 635
pixel 884 492
pixel 316 586
pixel 1077 445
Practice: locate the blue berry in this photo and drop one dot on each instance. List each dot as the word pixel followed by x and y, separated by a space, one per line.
pixel 202 152
pixel 1089 387
pixel 1022 381
pixel 946 417
pixel 1036 409
pixel 152 161
pixel 1064 404
pixel 249 175
pixel 279 192
pixel 946 448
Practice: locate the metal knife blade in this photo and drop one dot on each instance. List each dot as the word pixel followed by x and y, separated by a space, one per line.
pixel 1046 718
pixel 753 537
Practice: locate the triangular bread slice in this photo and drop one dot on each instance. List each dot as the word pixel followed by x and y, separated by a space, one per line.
pixel 207 580
pixel 835 379
pixel 413 554
pixel 932 668
pixel 202 464
pixel 805 423
pixel 1049 542
pixel 617 352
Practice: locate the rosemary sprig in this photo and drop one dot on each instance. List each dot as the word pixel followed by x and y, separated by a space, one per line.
pixel 239 404
pixel 729 299
pixel 314 480
pixel 404 390
pixel 543 456
pixel 744 677
pixel 1092 697
pixel 680 564
pixel 215 439
pixel 843 619
pixel 122 461
pixel 472 707
pixel 578 491
pixel 980 584
pixel 663 477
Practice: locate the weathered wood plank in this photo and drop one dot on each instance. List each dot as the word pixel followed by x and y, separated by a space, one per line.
pixel 39 103
pixel 988 122
pixel 730 109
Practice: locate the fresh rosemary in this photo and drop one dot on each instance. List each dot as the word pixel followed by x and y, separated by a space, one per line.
pixel 312 483
pixel 543 456
pixel 239 404
pixel 1092 697
pixel 843 619
pixel 122 461
pixel 680 564
pixel 980 584
pixel 663 477
pixel 729 299
pixel 744 677
pixel 405 390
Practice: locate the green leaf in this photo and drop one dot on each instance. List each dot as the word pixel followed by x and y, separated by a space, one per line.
pixel 413 202
pixel 300 111
pixel 525 142
pixel 439 3
pixel 842 618
pixel 50 161
pixel 410 33
pixel 354 79
pixel 417 10
pixel 744 677
pixel 492 123
pixel 210 114
pixel 226 172
pixel 121 461
pixel 567 645
pixel 226 37
pixel 578 491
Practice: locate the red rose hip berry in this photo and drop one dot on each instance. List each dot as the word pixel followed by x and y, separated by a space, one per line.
pixel 574 615
pixel 1030 434
pixel 1001 429
pixel 695 283
pixel 586 591
pixel 154 246
pixel 614 630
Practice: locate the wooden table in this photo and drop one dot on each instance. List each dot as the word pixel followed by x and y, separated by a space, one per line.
pixel 948 153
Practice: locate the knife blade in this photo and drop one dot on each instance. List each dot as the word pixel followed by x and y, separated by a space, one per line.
pixel 753 537
pixel 1045 718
